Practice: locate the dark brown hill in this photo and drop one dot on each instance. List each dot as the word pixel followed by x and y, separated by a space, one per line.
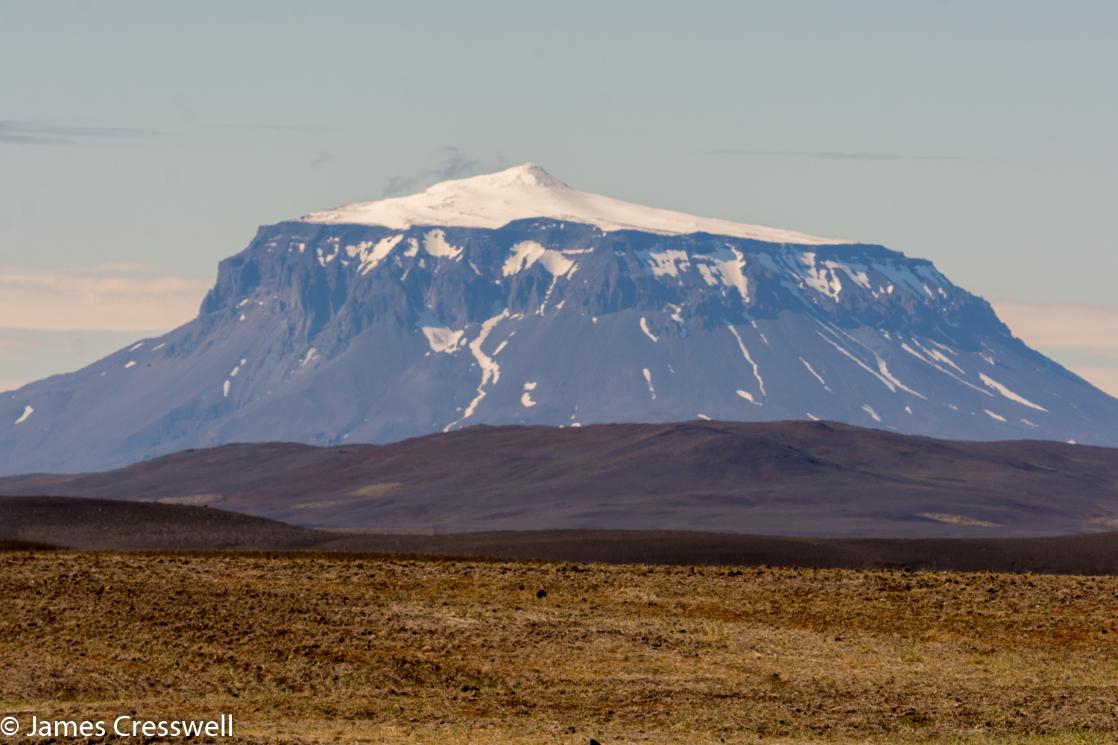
pixel 39 523
pixel 104 524
pixel 791 478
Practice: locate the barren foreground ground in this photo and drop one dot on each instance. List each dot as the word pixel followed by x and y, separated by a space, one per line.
pixel 344 649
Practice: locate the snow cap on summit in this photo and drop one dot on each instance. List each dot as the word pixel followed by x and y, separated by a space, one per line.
pixel 526 191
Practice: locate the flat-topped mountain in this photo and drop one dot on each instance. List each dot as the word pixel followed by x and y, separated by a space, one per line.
pixel 511 298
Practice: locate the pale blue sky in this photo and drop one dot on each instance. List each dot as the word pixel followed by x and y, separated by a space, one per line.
pixel 978 135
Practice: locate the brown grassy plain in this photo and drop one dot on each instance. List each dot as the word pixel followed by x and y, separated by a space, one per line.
pixel 380 649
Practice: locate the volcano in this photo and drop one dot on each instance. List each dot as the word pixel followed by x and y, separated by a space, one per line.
pixel 511 298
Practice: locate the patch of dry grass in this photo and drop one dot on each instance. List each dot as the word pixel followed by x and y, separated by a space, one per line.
pixel 321 649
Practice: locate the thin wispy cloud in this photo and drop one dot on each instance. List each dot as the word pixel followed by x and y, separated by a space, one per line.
pixel 115 297
pixel 117 267
pixel 307 129
pixel 11 384
pixel 454 164
pixel 1063 325
pixel 835 155
pixel 13 132
pixel 1082 337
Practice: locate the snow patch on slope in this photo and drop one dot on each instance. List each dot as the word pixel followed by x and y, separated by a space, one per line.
pixel 931 360
pixel 648 379
pixel 939 356
pixel 490 370
pixel 729 268
pixel 442 339
pixel 811 370
pixel 370 254
pixel 526 397
pixel 747 396
pixel 668 263
pixel 822 279
pixel 526 253
pixel 885 381
pixel 991 383
pixel 435 243
pixel 28 410
pixel 884 370
pixel 749 359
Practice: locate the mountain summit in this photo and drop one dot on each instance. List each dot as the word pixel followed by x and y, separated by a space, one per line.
pixel 513 298
pixel 525 191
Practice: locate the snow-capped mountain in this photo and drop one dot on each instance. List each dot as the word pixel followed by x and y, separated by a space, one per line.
pixel 512 298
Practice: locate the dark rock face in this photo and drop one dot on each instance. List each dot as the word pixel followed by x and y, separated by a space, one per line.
pixel 327 334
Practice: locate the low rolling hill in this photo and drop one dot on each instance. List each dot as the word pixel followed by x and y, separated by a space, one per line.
pixel 789 478
pixel 68 523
